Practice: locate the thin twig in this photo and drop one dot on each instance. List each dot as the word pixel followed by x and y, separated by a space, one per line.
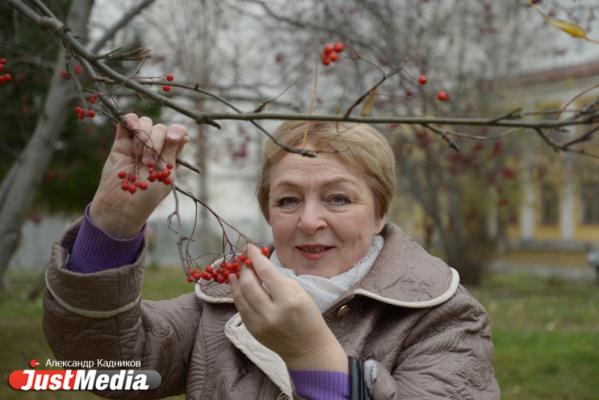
pixel 372 89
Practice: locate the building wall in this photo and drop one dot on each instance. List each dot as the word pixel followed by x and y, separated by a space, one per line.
pixel 565 171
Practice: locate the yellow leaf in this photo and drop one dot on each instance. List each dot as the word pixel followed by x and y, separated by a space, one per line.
pixel 570 28
pixel 369 102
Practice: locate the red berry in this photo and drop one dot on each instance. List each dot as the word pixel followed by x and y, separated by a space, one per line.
pixel 131 178
pixel 1 67
pixel 169 165
pixel 93 99
pixel 77 69
pixel 266 251
pixel 142 185
pixel 328 49
pixel 326 60
pixel 334 56
pixel 91 113
pixel 3 60
pixel 165 172
pixel 152 177
pixel 209 269
pixel 442 96
pixel 207 276
pixel 122 174
pixel 248 262
pixel 422 79
pixel 496 147
pixel 241 257
pixel 65 75
pixel 167 181
pixel 226 266
pixel 170 77
pixel 166 88
pixel 132 189
pixel 339 47
pixel 219 278
pixel 150 164
pixel 125 185
pixel 189 278
pixel 8 77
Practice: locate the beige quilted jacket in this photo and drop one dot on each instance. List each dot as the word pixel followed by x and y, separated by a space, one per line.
pixel 429 337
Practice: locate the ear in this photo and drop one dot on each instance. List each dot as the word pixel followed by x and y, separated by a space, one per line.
pixel 380 224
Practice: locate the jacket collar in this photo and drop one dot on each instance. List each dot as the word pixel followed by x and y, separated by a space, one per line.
pixel 404 274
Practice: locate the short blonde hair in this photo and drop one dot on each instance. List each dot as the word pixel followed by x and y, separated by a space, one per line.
pixel 358 145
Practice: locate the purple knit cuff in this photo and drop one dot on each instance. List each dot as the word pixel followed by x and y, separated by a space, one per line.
pixel 321 385
pixel 94 250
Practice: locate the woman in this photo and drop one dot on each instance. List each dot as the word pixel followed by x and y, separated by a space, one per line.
pixel 346 306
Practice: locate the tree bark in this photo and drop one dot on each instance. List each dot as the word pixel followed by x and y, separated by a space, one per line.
pixel 21 182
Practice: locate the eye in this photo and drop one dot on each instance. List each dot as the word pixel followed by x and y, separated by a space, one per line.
pixel 339 200
pixel 286 202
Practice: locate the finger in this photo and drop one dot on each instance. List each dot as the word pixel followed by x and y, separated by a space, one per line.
pixel 249 313
pixel 253 290
pixel 274 281
pixel 144 134
pixel 240 302
pixel 154 143
pixel 130 123
pixel 176 137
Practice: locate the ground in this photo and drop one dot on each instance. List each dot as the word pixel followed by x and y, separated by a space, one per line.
pixel 545 332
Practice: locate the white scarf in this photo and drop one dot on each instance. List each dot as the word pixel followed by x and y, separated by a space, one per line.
pixel 325 291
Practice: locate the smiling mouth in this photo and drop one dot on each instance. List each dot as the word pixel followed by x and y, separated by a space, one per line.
pixel 314 248
pixel 313 252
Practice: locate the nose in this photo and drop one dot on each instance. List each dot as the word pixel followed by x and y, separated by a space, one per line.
pixel 312 218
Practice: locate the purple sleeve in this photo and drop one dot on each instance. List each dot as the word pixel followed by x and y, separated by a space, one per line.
pixel 321 385
pixel 94 250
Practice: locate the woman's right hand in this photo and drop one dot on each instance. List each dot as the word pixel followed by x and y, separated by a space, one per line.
pixel 120 213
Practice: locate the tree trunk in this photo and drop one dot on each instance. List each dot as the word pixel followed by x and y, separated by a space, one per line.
pixel 21 182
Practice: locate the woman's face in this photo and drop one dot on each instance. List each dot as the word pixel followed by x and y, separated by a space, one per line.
pixel 322 214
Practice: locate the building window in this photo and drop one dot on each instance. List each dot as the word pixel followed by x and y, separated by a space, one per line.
pixel 590 202
pixel 549 205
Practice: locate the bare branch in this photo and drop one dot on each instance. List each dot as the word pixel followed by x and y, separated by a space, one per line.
pixel 122 22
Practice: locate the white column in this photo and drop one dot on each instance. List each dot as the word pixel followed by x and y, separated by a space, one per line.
pixel 566 217
pixel 527 211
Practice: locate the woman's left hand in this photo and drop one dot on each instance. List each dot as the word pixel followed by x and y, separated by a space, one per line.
pixel 283 317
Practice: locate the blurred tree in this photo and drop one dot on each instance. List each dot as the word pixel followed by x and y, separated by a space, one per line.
pixel 461 47
pixel 37 118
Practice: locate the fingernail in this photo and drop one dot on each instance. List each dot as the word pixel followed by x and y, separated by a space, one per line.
pixel 174 135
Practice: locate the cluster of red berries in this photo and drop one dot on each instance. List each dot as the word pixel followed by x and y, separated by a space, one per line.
pixel 66 75
pixel 170 78
pixel 220 273
pixel 130 183
pixel 82 112
pixel 330 52
pixel 5 77
pixel 441 94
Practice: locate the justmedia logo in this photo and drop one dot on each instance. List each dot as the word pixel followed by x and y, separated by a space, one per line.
pixel 83 379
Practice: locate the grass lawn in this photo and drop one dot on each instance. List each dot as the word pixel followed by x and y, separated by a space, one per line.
pixel 546 334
